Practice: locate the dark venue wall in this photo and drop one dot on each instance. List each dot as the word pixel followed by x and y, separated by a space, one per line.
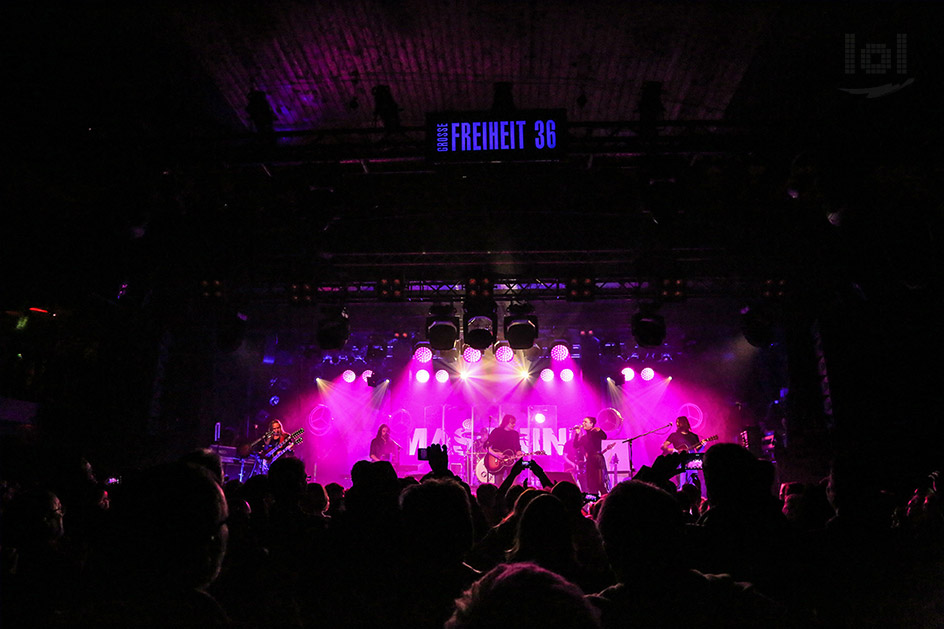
pixel 192 187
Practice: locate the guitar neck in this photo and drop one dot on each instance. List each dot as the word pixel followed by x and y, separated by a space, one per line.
pixel 699 444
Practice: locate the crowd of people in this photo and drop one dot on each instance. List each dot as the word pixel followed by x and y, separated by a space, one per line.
pixel 180 545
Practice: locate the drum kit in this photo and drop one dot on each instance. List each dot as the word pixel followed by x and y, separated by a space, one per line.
pixel 475 461
pixel 482 467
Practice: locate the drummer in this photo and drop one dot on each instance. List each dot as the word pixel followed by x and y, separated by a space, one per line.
pixel 478 443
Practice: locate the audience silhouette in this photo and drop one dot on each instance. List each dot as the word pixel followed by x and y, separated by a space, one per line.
pixel 170 545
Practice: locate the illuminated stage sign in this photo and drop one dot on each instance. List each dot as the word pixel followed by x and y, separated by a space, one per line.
pixel 536 134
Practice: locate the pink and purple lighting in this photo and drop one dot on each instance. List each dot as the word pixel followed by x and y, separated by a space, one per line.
pixel 367 373
pixel 471 355
pixel 560 352
pixel 420 414
pixel 567 375
pixel 647 374
pixel 628 374
pixel 423 354
pixel 442 376
pixel 349 376
pixel 504 354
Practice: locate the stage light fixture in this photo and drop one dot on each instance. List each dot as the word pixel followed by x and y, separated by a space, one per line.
pixel 260 112
pixel 422 352
pixel 521 326
pixel 442 376
pixel 391 289
pixel 648 326
pixel 673 289
pixel 212 290
pixel 301 293
pixel 567 375
pixel 628 374
pixel 774 288
pixel 479 287
pixel 375 379
pixel 651 109
pixel 758 322
pixel 647 374
pixel 502 99
pixel 559 350
pixel 366 374
pixel 581 289
pixel 349 376
pixel 386 108
pixel 471 355
pixel 547 375
pixel 334 328
pixel 442 326
pixel 422 376
pixel 504 353
pixel 480 323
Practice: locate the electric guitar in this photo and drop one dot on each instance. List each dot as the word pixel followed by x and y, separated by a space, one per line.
pixel 694 447
pixel 293 440
pixel 494 464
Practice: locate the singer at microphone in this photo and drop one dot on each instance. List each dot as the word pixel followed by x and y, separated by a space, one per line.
pixel 682 439
pixel 383 447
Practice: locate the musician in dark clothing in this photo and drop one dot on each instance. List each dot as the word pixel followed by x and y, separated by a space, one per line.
pixel 275 435
pixel 682 440
pixel 573 459
pixel 504 441
pixel 383 448
pixel 588 441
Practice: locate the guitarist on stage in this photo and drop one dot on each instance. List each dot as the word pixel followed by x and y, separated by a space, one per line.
pixel 504 440
pixel 682 439
pixel 588 440
pixel 274 437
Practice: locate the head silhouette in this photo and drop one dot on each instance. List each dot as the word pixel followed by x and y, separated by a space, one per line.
pixel 537 597
pixel 640 524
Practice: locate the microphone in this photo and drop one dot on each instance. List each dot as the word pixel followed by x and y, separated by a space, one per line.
pixel 396 444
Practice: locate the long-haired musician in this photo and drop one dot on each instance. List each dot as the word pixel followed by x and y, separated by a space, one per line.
pixel 383 447
pixel 275 434
pixel 589 440
pixel 682 439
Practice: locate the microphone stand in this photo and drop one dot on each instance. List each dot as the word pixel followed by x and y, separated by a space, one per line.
pixel 614 464
pixel 629 441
